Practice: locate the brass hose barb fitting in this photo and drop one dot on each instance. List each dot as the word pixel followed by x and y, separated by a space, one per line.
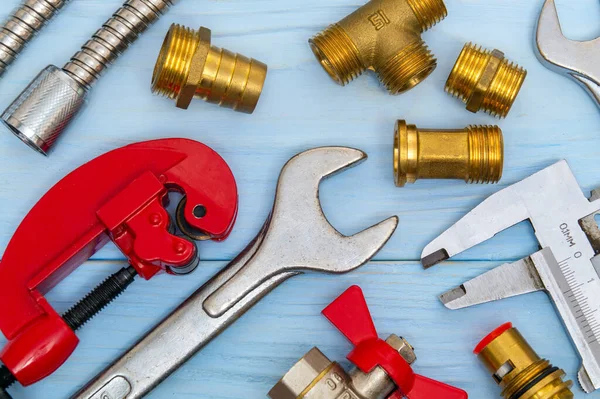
pixel 518 370
pixel 189 66
pixel 475 154
pixel 383 36
pixel 485 80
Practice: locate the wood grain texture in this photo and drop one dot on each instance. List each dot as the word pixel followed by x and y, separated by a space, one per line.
pixel 302 108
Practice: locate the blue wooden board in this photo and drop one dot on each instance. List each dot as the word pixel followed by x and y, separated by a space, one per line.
pixel 302 108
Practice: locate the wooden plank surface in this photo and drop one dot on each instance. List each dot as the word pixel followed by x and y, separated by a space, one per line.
pixel 302 108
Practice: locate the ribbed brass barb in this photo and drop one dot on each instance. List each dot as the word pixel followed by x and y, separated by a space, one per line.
pixel 475 154
pixel 518 370
pixel 189 66
pixel 485 80
pixel 384 36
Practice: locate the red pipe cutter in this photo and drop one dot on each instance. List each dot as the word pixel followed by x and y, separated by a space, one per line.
pixel 119 196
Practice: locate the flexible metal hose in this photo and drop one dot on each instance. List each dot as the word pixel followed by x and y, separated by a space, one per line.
pixel 115 36
pixel 23 25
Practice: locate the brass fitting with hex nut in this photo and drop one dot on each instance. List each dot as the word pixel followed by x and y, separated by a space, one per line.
pixel 383 36
pixel 485 80
pixel 188 67
pixel 474 154
pixel 518 370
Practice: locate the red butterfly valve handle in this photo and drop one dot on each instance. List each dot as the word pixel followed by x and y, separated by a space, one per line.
pixel 383 368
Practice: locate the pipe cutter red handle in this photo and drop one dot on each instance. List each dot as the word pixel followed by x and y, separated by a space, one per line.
pixel 119 196
pixel 350 314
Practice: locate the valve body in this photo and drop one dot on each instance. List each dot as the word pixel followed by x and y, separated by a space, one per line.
pixel 317 377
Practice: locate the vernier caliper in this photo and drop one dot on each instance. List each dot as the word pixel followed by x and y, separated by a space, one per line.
pixel 566 267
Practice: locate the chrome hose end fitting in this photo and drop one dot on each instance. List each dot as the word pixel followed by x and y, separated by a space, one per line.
pixel 44 110
pixel 48 104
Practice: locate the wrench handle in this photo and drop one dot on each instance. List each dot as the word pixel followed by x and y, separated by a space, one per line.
pixel 172 342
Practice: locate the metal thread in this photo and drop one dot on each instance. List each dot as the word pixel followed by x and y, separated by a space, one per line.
pixel 84 310
pixel 337 54
pixel 115 36
pixel 408 68
pixel 428 12
pixel 23 25
pixel 99 298
pixel 174 61
pixel 501 92
pixel 486 150
pixel 6 378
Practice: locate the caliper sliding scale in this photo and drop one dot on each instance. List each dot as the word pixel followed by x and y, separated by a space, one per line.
pixel 567 267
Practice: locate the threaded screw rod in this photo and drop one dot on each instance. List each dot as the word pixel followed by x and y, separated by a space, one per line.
pixel 83 311
pixel 23 25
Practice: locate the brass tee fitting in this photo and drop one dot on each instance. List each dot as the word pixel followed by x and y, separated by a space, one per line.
pixel 383 36
pixel 518 370
pixel 189 66
pixel 485 80
pixel 475 154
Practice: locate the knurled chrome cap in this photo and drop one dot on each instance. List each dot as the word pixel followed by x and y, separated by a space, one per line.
pixel 45 108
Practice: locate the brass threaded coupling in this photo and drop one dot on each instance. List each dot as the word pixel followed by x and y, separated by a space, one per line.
pixel 188 67
pixel 485 80
pixel 518 370
pixel 474 154
pixel 383 36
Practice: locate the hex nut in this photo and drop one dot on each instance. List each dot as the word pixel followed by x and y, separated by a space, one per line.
pixel 483 84
pixel 186 95
pixel 301 375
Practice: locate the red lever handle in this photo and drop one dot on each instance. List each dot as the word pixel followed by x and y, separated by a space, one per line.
pixel 350 314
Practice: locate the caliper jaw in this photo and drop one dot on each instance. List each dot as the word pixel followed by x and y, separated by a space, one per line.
pixel 567 266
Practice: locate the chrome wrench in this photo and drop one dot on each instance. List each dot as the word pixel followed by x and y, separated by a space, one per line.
pixel 567 267
pixel 296 238
pixel 577 60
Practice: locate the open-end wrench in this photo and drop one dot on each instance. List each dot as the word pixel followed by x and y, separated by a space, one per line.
pixel 575 59
pixel 567 267
pixel 296 238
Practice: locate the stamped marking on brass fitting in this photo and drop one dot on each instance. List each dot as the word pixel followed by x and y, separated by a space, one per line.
pixel 379 20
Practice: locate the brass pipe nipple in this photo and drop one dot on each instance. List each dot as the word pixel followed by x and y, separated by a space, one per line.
pixel 383 36
pixel 474 154
pixel 485 80
pixel 188 67
pixel 518 370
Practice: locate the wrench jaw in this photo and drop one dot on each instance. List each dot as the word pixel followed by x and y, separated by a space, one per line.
pixel 564 56
pixel 297 217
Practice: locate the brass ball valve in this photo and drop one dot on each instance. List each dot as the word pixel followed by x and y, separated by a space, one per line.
pixel 385 37
pixel 518 370
pixel 382 367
